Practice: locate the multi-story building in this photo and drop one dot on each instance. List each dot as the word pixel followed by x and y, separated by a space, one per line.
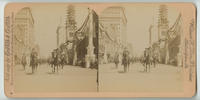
pixel 23 33
pixel 162 33
pixel 61 35
pixel 175 39
pixel 169 38
pixel 112 36
pixel 70 28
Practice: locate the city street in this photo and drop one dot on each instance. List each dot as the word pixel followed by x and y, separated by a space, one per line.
pixel 162 78
pixel 70 79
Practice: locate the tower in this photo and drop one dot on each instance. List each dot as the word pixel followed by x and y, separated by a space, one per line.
pixel 162 33
pixel 70 28
pixel 163 22
pixel 70 23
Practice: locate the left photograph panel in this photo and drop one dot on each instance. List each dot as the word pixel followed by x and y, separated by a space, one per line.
pixel 50 48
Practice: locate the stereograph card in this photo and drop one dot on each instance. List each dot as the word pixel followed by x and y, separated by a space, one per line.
pixel 100 49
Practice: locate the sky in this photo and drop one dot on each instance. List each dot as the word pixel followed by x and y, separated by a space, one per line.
pixel 139 18
pixel 47 18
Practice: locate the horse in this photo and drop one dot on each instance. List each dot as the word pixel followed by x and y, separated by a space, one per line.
pixel 154 60
pixel 126 60
pixel 62 60
pixel 50 61
pixel 55 60
pixel 147 60
pixel 33 61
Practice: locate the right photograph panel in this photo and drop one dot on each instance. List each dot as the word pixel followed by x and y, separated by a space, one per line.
pixel 147 48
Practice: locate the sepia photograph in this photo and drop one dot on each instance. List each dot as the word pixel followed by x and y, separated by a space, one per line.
pixel 141 49
pixel 53 49
pixel 100 50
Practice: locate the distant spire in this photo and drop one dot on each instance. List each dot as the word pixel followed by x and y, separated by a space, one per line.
pixel 70 23
pixel 163 23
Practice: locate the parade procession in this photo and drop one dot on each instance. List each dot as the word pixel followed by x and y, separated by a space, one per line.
pixel 165 49
pixel 75 46
pixel 113 49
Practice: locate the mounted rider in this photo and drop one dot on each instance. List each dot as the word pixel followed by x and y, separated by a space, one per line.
pixel 125 59
pixel 147 58
pixel 33 59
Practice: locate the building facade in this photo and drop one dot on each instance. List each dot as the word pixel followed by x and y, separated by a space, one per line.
pixel 175 41
pixel 61 35
pixel 112 34
pixel 169 38
pixel 163 26
pixel 23 36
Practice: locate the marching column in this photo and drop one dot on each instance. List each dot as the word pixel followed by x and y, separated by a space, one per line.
pixel 90 57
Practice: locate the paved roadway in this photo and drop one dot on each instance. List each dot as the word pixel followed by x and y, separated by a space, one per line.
pixel 163 78
pixel 70 79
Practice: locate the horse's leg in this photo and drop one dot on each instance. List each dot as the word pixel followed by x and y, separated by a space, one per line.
pixel 51 67
pixel 127 67
pixel 57 68
pixel 124 68
pixel 35 67
pixel 62 64
pixel 24 66
pixel 146 67
pixel 54 70
pixel 54 67
pixel 149 67
pixel 32 69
